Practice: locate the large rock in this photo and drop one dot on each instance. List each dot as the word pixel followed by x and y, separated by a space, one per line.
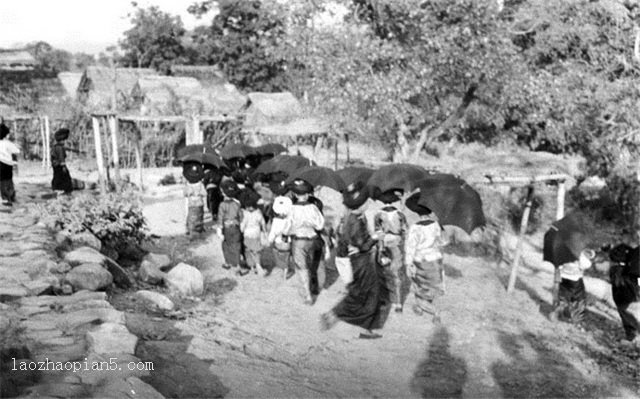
pixel 159 261
pixel 185 280
pixel 89 276
pixel 84 255
pixel 150 272
pixel 85 239
pixel 120 276
pixel 155 299
pixel 131 387
pixel 111 338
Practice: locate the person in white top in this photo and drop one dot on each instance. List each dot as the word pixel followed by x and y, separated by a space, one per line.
pixel 8 159
pixel 572 296
pixel 423 258
pixel 252 226
pixel 305 221
pixel 277 239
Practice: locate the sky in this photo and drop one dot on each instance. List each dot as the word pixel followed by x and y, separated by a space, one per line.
pixel 77 25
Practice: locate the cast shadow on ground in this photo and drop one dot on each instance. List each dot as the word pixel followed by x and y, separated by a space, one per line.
pixel 536 369
pixel 176 373
pixel 439 374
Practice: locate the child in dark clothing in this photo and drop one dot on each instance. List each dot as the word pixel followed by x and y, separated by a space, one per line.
pixel 230 217
pixel 625 289
pixel 61 177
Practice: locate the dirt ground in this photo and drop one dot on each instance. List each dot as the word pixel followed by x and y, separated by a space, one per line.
pixel 253 336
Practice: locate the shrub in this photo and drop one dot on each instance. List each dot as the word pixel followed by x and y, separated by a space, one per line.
pixel 168 180
pixel 115 219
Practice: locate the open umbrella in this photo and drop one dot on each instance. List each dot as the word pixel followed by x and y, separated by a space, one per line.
pixel 353 174
pixel 193 148
pixel 205 158
pixel 318 176
pixel 402 176
pixel 452 200
pixel 236 150
pixel 283 163
pixel 565 239
pixel 270 149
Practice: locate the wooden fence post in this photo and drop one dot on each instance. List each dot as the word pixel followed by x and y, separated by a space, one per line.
pixel 113 129
pixel 47 138
pixel 137 146
pixel 523 229
pixel 44 148
pixel 346 136
pixel 562 190
pixel 99 158
pixel 335 152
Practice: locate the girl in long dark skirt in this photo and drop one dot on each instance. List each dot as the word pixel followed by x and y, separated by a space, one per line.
pixel 61 177
pixel 625 289
pixel 367 298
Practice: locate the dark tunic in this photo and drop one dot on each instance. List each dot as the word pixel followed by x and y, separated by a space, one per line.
pixel 625 291
pixel 211 181
pixel 61 177
pixel 366 296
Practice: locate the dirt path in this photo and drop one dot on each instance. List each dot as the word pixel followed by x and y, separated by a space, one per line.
pixel 259 339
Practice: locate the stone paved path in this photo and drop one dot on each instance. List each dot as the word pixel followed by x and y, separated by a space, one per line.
pixel 68 335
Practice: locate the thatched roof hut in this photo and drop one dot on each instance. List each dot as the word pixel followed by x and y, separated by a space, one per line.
pixel 158 95
pixel 207 75
pixel 16 60
pixel 280 114
pixel 70 82
pixel 95 89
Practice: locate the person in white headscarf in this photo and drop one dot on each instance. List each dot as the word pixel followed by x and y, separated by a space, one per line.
pixel 278 240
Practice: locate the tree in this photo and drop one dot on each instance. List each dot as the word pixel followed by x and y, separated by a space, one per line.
pixel 235 41
pixel 415 65
pixel 154 40
pixel 49 58
pixel 82 60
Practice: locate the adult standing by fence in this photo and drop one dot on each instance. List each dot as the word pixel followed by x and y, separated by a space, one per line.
pixel 8 152
pixel 61 177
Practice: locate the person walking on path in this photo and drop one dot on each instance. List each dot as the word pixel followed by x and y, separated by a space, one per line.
pixel 572 295
pixel 277 239
pixel 252 227
pixel 391 225
pixel 229 217
pixel 61 177
pixel 211 181
pixel 367 298
pixel 625 288
pixel 8 160
pixel 195 195
pixel 423 257
pixel 305 221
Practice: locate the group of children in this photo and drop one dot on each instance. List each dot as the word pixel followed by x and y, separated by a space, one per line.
pixel 254 215
pixel 247 217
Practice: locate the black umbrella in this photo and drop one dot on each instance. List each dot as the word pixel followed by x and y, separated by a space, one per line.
pixel 192 149
pixel 402 176
pixel 318 176
pixel 236 150
pixel 565 239
pixel 205 158
pixel 270 149
pixel 283 163
pixel 452 200
pixel 353 174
